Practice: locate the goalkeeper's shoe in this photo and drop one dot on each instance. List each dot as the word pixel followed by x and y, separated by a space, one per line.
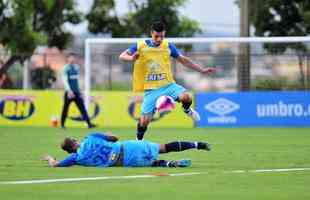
pixel 180 163
pixel 204 146
pixel 193 114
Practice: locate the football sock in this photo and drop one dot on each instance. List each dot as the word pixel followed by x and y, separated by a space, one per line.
pixel 186 106
pixel 140 131
pixel 164 163
pixel 180 146
pixel 160 163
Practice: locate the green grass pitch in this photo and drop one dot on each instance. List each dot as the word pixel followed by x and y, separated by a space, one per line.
pixel 233 149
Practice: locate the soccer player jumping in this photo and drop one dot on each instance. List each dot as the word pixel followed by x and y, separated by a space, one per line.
pixel 153 75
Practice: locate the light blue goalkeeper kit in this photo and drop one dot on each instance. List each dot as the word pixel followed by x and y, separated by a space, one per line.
pixel 96 150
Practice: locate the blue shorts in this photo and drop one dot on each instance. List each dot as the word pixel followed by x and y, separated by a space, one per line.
pixel 139 153
pixel 150 96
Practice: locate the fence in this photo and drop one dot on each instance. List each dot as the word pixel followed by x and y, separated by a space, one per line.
pixel 287 71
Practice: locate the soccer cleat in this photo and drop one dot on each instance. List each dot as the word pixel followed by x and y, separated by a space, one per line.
pixel 92 126
pixel 180 163
pixel 139 139
pixel 204 146
pixel 193 114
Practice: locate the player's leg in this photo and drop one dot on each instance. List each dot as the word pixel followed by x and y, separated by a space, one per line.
pixel 186 99
pixel 142 125
pixel 179 94
pixel 172 163
pixel 80 104
pixel 147 112
pixel 65 108
pixel 178 146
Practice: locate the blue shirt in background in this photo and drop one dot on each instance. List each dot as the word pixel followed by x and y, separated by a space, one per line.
pixel 71 76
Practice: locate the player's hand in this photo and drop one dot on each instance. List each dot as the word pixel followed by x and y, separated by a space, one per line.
pixel 209 70
pixel 112 138
pixel 135 56
pixel 47 158
pixel 52 162
pixel 71 95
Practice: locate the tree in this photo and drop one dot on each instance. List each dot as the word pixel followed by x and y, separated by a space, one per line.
pixel 282 18
pixel 28 23
pixel 42 77
pixel 104 19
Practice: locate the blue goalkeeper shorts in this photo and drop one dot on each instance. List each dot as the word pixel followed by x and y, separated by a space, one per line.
pixel 150 96
pixel 139 153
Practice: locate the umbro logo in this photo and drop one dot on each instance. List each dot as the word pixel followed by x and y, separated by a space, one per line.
pixel 222 106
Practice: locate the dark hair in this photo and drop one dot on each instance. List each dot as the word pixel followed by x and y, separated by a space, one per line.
pixel 158 26
pixel 68 145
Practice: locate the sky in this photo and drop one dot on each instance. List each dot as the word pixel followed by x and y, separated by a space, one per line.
pixel 212 15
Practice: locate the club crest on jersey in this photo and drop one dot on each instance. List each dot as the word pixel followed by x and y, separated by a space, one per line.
pixel 153 66
pixel 154 72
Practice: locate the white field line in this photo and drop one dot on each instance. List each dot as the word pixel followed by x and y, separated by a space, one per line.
pixel 93 178
pixel 279 170
pixel 144 176
pixel 271 170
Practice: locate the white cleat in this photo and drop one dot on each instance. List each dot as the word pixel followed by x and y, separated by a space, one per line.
pixel 193 114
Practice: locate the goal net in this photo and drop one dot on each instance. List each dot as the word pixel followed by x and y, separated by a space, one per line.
pixel 273 63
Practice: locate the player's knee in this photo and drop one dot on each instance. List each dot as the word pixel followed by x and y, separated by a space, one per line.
pixel 144 121
pixel 162 148
pixel 186 98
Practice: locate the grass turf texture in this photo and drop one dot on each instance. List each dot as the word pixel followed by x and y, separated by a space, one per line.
pixel 233 149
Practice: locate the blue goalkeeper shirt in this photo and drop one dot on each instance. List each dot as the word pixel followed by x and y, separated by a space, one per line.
pixel 95 150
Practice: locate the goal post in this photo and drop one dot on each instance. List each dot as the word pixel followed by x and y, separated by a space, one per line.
pixel 185 41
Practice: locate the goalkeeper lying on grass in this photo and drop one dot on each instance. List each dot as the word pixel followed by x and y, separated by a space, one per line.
pixel 104 150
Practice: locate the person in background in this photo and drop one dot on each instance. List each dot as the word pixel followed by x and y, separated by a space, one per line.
pixel 71 76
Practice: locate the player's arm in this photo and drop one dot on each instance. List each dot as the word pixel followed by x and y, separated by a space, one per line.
pixel 108 136
pixel 174 52
pixel 51 161
pixel 111 137
pixel 65 78
pixel 67 162
pixel 129 54
pixel 187 62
